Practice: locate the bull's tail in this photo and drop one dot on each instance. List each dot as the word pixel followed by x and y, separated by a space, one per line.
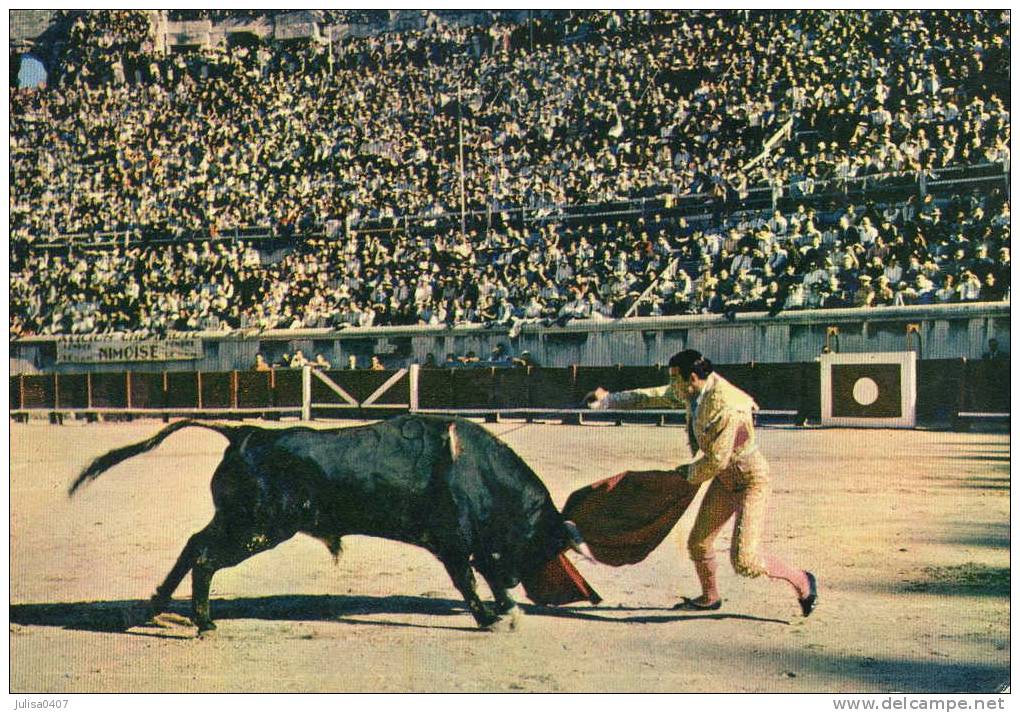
pixel 118 455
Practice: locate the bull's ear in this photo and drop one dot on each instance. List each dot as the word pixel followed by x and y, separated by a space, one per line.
pixel 453 441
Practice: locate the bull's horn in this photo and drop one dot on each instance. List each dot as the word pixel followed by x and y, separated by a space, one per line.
pixel 576 541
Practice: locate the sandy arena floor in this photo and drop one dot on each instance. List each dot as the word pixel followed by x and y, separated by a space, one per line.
pixel 908 532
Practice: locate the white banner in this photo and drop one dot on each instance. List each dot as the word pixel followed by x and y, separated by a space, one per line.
pixel 102 351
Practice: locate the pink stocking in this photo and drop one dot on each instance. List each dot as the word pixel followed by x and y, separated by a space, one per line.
pixel 777 569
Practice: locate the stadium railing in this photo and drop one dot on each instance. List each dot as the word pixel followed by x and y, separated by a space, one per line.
pixel 892 185
pixel 700 207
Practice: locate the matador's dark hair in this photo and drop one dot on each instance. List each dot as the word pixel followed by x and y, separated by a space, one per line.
pixel 690 361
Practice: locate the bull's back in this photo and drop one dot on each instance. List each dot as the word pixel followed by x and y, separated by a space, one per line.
pixel 373 480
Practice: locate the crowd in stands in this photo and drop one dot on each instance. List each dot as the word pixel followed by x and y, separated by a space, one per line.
pixel 580 108
pixel 104 46
pixel 646 103
pixel 543 273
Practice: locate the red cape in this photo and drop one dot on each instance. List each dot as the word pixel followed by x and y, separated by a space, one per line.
pixel 622 519
pixel 559 582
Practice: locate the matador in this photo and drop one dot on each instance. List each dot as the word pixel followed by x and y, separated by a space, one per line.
pixel 721 434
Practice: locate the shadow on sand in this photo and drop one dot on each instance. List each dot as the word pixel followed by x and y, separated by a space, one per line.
pixel 125 614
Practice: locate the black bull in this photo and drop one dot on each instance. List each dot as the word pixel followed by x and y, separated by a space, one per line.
pixel 444 484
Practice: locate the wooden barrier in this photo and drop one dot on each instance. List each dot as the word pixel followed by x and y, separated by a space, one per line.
pixel 947 390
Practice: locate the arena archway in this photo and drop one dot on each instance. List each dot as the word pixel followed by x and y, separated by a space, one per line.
pixel 31 72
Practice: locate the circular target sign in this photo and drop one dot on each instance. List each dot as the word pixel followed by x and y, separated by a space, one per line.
pixel 865 391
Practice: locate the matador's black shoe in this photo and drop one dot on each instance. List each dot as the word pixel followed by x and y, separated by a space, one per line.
pixel 808 603
pixel 686 604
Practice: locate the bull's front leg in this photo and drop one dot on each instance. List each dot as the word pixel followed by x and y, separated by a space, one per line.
pixel 509 613
pixel 161 599
pixel 201 579
pixel 504 602
pixel 226 546
pixel 463 578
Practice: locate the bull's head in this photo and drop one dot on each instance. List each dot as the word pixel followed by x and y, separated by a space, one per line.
pixel 557 581
pixel 553 537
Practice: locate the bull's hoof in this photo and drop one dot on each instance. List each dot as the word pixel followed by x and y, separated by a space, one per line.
pixel 485 615
pixel 509 621
pixel 158 604
pixel 205 627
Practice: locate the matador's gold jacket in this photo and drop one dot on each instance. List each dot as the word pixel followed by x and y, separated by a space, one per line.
pixel 720 423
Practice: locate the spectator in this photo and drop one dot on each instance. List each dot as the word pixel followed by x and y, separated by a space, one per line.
pixel 948 291
pixel 925 291
pixel 884 293
pixel 969 289
pixel 994 353
pixel 525 360
pixel 990 291
pixel 865 295
pixel 499 356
